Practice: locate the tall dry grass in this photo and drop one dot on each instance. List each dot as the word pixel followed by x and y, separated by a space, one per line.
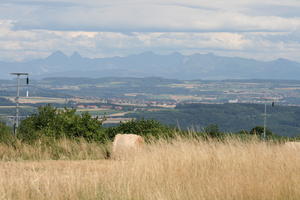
pixel 51 149
pixel 181 169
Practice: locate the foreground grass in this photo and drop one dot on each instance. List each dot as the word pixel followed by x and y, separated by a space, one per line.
pixel 182 169
pixel 49 149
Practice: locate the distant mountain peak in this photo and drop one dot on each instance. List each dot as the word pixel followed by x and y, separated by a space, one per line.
pixel 76 55
pixel 57 55
pixel 173 65
pixel 282 60
pixel 176 53
pixel 210 54
pixel 148 53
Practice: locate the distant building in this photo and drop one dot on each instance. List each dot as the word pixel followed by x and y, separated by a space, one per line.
pixel 119 108
pixel 233 101
pixel 92 106
pixel 81 106
pixel 106 107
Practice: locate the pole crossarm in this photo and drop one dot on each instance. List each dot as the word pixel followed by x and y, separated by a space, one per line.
pixel 20 74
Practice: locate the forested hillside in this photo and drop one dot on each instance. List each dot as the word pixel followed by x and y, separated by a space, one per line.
pixel 282 120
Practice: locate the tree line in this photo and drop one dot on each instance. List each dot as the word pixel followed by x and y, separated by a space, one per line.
pixel 54 123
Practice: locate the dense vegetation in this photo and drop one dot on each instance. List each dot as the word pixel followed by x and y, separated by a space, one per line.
pixel 51 123
pixel 6 134
pixel 146 128
pixel 55 123
pixel 231 118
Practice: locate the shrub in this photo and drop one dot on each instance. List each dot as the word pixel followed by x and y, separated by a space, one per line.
pixel 6 134
pixel 213 131
pixel 259 130
pixel 55 123
pixel 145 128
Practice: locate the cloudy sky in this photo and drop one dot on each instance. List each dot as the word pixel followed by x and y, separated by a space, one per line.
pixel 100 28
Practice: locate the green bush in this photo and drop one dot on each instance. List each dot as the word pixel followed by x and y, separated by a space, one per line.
pixel 213 131
pixel 146 128
pixel 259 130
pixel 54 123
pixel 6 134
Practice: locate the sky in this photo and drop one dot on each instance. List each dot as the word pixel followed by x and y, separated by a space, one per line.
pixel 263 30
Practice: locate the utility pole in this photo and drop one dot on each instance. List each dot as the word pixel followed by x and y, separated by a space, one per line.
pixel 16 121
pixel 265 121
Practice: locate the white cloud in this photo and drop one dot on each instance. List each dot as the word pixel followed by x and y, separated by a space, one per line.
pixel 150 18
pixel 97 28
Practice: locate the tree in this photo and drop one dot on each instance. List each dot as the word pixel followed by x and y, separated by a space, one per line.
pixel 146 128
pixel 56 123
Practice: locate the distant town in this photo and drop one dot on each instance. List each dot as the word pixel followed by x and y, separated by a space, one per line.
pixel 115 98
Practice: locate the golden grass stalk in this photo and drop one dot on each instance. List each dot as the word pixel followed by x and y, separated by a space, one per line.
pixel 50 149
pixel 181 169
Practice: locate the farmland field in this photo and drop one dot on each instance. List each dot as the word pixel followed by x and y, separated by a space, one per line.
pixel 14 107
pixel 97 111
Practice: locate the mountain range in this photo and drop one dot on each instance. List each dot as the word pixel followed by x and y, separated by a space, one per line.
pixel 148 64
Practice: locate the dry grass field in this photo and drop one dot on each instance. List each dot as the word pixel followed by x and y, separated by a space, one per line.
pixel 184 169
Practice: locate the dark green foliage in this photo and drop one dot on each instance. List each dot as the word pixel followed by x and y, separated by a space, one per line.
pixel 6 134
pixel 259 130
pixel 283 120
pixel 55 123
pixel 146 128
pixel 213 131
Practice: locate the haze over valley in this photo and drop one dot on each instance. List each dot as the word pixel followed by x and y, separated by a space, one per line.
pixel 147 64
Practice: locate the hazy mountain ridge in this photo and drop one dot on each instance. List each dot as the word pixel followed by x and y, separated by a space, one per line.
pixel 174 66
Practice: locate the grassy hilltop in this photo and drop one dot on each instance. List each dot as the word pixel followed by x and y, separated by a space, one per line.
pixel 178 169
pixel 58 154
